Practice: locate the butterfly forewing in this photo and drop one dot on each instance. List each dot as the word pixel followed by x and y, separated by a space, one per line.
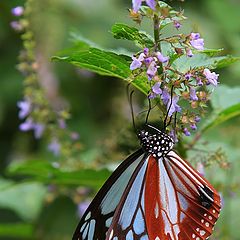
pixel 129 217
pixel 98 217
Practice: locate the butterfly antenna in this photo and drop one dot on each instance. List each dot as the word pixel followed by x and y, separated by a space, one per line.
pixel 170 105
pixel 130 97
pixel 149 110
pixel 132 111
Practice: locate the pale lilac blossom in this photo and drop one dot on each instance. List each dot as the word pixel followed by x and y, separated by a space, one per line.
pixel 177 24
pixel 195 36
pixel 162 58
pixel 186 132
pixel 189 52
pixel 62 123
pixel 188 76
pixel 173 106
pixel 193 95
pixel 193 126
pixel 82 207
pixel 156 88
pixel 17 26
pixel 17 11
pixel 199 81
pixel 152 70
pixel 197 119
pixel 38 129
pixel 54 147
pixel 27 125
pixel 212 77
pixel 198 44
pixel 137 62
pixel 165 96
pixel 136 4
pixel 24 108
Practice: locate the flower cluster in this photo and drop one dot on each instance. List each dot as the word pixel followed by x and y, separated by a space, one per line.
pixel 174 88
pixel 35 109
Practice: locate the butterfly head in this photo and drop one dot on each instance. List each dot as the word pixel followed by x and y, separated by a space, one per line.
pixel 155 141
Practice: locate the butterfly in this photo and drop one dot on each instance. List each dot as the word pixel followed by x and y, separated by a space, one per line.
pixel 153 195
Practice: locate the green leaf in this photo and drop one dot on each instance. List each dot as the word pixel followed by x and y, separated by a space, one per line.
pixel 18 230
pixel 224 97
pixel 25 199
pixel 123 31
pixel 46 173
pixel 98 61
pixel 102 62
pixel 184 63
pixel 222 116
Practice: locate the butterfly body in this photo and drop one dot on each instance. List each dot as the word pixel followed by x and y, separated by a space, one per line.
pixel 153 195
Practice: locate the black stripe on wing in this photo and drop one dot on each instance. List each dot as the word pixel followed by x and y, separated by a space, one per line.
pixel 96 220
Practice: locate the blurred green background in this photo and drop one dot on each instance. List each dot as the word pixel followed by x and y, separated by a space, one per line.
pixel 39 200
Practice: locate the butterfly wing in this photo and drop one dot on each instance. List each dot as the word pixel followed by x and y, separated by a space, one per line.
pixel 183 204
pixel 97 218
pixel 129 218
pixel 165 199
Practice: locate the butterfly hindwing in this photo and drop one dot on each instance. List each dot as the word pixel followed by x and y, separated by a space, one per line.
pixel 97 218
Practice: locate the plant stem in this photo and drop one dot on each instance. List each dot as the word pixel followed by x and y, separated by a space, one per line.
pixel 156 24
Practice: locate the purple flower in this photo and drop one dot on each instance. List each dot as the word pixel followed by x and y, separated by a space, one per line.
pixel 195 36
pixel 199 81
pixel 212 77
pixel 148 60
pixel 61 123
pixel 27 125
pixel 198 43
pixel 82 207
pixel 38 130
pixel 161 58
pixel 173 106
pixel 197 119
pixel 193 126
pixel 17 26
pixel 156 88
pixel 152 70
pixel 137 62
pixel 25 108
pixel 74 136
pixel 186 132
pixel 165 96
pixel 177 24
pixel 17 11
pixel 136 4
pixel 189 52
pixel 146 51
pixel 188 76
pixel 54 147
pixel 151 4
pixel 193 95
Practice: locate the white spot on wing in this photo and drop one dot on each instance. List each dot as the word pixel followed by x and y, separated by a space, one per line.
pixel 91 229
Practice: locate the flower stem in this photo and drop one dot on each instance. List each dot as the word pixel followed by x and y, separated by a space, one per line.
pixel 156 24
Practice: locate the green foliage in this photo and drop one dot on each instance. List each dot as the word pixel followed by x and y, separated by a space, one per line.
pixel 16 230
pixel 29 204
pixel 45 172
pixel 123 31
